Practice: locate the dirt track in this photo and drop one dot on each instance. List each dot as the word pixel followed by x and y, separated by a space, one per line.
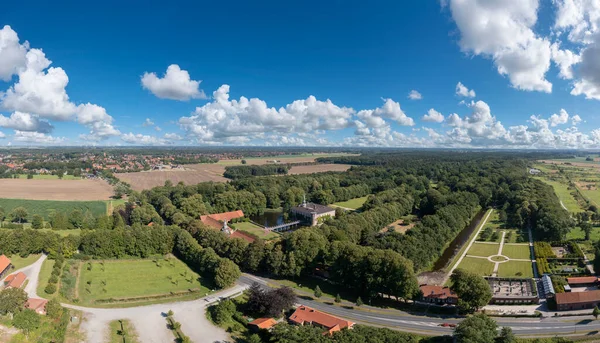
pixel 75 190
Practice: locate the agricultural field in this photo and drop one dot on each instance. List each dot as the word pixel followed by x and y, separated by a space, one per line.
pixel 45 207
pixel 483 249
pixel 354 204
pixel 127 279
pixel 564 194
pixel 204 172
pixel 72 190
pixel 318 168
pixel 256 230
pixel 476 265
pixel 516 269
pixel 301 158
pixel 517 251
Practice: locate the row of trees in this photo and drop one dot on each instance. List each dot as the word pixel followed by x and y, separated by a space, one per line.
pixel 238 172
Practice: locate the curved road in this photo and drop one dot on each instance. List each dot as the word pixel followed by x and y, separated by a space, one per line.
pixel 151 324
pixel 403 321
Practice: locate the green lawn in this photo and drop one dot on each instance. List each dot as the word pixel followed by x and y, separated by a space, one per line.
pixel 564 194
pixel 43 278
pixel 483 249
pixel 50 177
pixel 135 278
pixel 46 207
pixel 516 251
pixel 479 266
pixel 354 204
pixel 512 268
pixel 118 327
pixel 577 233
pixel 20 262
pixel 255 229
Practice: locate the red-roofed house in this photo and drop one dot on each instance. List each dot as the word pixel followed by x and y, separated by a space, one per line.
pixel 262 323
pixel 4 266
pixel 306 315
pixel 219 221
pixel 38 305
pixel 438 294
pixel 15 280
pixel 582 281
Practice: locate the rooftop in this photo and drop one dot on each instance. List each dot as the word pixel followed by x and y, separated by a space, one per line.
pixel 15 280
pixel 263 323
pixel 304 314
pixel 438 292
pixel 35 303
pixel 577 297
pixel 581 280
pixel 4 263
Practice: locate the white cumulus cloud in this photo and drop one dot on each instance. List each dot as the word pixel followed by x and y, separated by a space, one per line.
pixel 176 84
pixel 414 95
pixel 12 53
pixel 25 122
pixel 462 90
pixel 36 137
pixel 433 116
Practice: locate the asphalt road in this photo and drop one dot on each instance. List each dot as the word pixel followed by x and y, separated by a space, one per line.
pixel 530 327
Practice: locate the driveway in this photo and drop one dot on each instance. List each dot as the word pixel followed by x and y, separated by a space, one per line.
pixel 32 272
pixel 151 324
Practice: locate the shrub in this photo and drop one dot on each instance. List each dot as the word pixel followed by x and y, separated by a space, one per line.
pixel 53 279
pixel 50 288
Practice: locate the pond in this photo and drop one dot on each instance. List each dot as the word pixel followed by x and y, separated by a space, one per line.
pixel 269 218
pixel 457 243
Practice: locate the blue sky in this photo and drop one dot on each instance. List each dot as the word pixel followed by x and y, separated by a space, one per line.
pixel 517 59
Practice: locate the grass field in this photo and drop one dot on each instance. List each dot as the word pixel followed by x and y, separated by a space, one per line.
pixel 516 251
pixel 513 268
pixel 43 278
pixel 564 194
pixel 255 229
pixel 45 207
pixel 121 331
pixel 20 262
pixel 135 278
pixel 577 233
pixel 592 195
pixel 354 204
pixel 483 249
pixel 49 177
pixel 479 266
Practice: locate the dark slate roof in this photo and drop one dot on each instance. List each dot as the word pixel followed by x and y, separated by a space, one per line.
pixel 311 208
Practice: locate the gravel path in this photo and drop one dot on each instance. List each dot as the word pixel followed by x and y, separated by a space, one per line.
pixel 149 321
pixel 151 324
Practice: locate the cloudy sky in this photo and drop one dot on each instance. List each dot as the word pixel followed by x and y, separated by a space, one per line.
pixel 451 73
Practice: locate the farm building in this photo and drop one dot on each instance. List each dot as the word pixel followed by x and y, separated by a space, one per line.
pixel 262 324
pixel 577 300
pixel 582 281
pixel 219 221
pixel 15 280
pixel 306 315
pixel 438 295
pixel 4 266
pixel 311 212
pixel 38 305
